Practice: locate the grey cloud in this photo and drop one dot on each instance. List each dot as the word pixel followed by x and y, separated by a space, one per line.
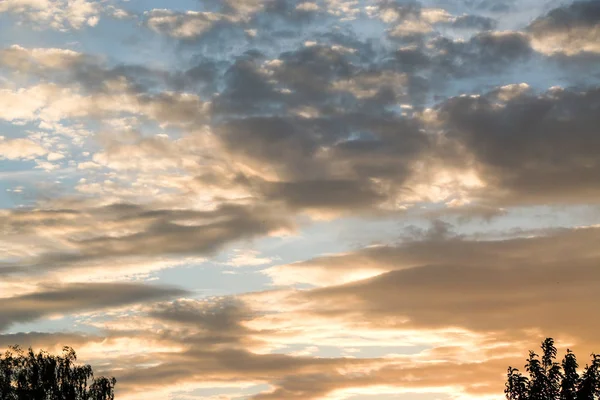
pixel 301 77
pixel 325 194
pixel 159 232
pixel 229 366
pixel 310 69
pixel 410 60
pixel 494 6
pixel 247 91
pixel 288 145
pixel 468 213
pixel 474 22
pixel 219 321
pixel 76 298
pixel 575 15
pixel 205 73
pixel 488 52
pixel 569 29
pixel 532 148
pixel 317 162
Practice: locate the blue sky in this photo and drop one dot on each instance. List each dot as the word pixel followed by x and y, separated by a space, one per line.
pixel 276 199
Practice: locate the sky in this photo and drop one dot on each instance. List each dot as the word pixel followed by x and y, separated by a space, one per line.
pixel 277 199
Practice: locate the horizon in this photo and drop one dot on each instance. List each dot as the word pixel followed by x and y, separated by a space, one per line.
pixel 277 199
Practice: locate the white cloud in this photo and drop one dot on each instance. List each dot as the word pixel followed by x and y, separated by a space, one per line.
pixel 55 156
pixel 23 59
pixel 22 104
pixel 51 103
pixel 307 6
pixel 55 14
pixel 184 25
pixel 247 258
pixel 16 149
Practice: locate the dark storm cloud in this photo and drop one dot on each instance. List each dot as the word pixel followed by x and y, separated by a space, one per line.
pixel 72 298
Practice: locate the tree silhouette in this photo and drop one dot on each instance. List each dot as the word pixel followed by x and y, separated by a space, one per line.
pixel 549 380
pixel 568 387
pixel 42 376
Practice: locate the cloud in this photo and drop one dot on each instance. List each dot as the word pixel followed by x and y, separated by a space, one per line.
pixel 526 147
pixel 272 115
pixel 52 103
pixel 243 258
pixel 325 195
pixel 486 52
pixel 486 298
pixel 507 286
pixel 216 351
pixel 76 298
pixel 55 14
pixel 21 104
pixel 476 22
pixel 415 21
pixel 17 149
pixel 307 6
pixel 27 59
pixel 184 25
pixel 569 29
pixel 44 340
pixel 245 7
pixel 85 237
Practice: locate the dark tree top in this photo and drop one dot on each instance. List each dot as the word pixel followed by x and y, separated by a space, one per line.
pixel 42 376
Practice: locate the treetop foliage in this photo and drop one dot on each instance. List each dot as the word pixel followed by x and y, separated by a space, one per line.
pixel 549 380
pixel 26 375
